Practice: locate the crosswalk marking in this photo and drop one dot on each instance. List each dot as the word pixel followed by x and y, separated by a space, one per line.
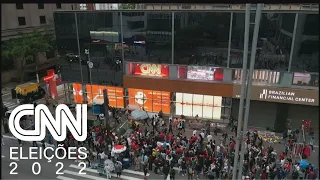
pixel 65 178
pixel 125 170
pixel 95 171
pixel 10 105
pixel 82 175
pixel 135 172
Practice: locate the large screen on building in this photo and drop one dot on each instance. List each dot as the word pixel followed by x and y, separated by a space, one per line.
pixel 152 101
pixel 115 95
pixel 204 73
pixel 202 105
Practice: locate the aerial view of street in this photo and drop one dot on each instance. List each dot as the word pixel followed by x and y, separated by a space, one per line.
pixel 160 91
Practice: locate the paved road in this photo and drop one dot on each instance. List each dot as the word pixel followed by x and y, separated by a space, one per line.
pixel 70 169
pixel 9 102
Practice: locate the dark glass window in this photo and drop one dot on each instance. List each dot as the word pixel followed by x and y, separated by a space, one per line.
pixel 58 5
pixel 135 24
pixel 42 19
pixel 22 21
pixel 19 6
pixel 40 6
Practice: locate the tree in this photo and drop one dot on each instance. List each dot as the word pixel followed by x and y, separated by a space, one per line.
pixel 127 6
pixel 26 48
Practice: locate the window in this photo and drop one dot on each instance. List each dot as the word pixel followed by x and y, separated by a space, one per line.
pixel 40 6
pixel 58 5
pixel 19 5
pixel 43 20
pixel 22 21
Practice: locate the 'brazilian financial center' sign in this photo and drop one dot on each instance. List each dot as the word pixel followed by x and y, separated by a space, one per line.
pixel 281 95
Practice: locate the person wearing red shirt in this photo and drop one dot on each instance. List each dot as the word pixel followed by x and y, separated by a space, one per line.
pixel 233 144
pixel 178 151
pixel 168 137
pixel 97 130
pixel 100 139
pixel 172 138
pixel 282 155
pixel 168 151
pixel 195 138
pixel 161 135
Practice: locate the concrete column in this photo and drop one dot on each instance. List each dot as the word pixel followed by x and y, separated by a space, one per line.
pixel 173 71
pixel 227 75
pixel 286 78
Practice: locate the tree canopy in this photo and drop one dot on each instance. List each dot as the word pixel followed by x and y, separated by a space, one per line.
pixel 27 47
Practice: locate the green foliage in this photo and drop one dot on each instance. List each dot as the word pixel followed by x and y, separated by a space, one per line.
pixel 27 47
pixel 127 6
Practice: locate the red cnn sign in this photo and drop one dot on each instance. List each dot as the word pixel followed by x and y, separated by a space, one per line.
pixel 159 70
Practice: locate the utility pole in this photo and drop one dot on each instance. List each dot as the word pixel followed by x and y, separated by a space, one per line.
pixel 79 52
pixel 242 97
pixel 248 94
pixel 122 45
pixel 172 38
pixel 230 39
pixel 90 66
pixel 106 107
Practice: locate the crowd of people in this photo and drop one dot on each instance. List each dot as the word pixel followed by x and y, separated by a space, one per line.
pixel 168 152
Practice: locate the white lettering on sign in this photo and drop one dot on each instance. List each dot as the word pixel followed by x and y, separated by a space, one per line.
pixel 283 95
pixel 154 69
pixel 43 120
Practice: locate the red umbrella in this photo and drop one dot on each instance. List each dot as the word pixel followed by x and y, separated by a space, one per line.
pixel 119 148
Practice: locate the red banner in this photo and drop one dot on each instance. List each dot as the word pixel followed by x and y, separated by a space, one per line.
pixel 159 70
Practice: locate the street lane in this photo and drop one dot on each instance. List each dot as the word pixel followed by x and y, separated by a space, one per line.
pixel 24 167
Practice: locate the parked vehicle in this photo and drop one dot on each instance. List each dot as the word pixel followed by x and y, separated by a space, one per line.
pixel 28 92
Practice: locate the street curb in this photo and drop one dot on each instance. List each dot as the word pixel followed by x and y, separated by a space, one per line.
pixel 14 138
pixel 39 143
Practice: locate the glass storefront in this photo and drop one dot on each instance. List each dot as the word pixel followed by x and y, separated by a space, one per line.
pixel 205 106
pixel 95 94
pixel 150 100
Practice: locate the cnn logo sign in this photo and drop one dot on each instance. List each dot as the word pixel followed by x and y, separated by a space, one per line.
pixel 43 119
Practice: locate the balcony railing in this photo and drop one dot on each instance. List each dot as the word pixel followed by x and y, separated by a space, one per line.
pixel 222 74
pixel 232 7
pixel 259 76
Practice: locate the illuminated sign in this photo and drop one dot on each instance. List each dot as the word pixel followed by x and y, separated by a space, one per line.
pixel 205 73
pixel 195 104
pixel 115 95
pixel 151 70
pixel 281 95
pixel 284 95
pixel 150 100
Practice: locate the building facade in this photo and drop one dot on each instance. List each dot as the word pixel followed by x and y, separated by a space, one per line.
pixel 178 62
pixel 19 18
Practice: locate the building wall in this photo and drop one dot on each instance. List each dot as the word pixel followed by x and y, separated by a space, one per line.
pixel 9 17
pixel 261 114
pixel 10 28
pixel 106 6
